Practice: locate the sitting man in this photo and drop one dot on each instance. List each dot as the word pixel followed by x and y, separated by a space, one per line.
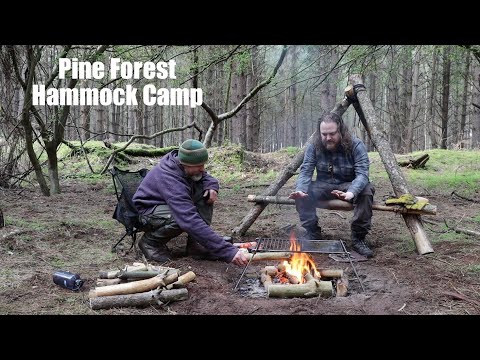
pixel 342 165
pixel 177 196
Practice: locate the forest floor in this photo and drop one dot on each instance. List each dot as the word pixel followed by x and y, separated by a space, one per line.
pixel 74 231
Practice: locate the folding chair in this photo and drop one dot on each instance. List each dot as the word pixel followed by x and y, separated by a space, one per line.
pixel 126 183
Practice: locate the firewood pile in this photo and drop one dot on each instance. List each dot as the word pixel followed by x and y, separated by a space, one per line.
pixel 139 285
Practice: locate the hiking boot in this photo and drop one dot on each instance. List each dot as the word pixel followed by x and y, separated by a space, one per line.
pixel 158 252
pixel 361 247
pixel 199 252
pixel 313 234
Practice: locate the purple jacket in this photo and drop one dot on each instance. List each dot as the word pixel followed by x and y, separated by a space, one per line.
pixel 167 183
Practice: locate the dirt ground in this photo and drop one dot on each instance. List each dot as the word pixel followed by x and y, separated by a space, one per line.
pixel 74 231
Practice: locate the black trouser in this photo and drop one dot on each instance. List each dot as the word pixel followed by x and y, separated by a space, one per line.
pixel 320 191
pixel 164 226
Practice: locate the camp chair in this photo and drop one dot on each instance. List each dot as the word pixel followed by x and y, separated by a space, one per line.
pixel 126 183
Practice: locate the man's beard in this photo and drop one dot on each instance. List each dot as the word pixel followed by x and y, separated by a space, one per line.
pixel 330 146
pixel 196 177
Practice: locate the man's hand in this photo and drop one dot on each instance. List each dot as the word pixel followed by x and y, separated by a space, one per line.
pixel 347 196
pixel 297 195
pixel 211 196
pixel 240 258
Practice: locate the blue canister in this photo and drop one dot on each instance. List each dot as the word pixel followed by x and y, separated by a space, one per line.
pixel 67 280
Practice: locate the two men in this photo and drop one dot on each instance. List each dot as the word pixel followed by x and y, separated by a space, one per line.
pixel 342 165
pixel 177 196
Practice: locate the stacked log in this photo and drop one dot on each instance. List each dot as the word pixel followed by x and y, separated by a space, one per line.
pixel 139 285
pixel 312 286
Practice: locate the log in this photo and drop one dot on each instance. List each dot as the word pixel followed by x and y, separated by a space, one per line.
pixel 271 270
pixel 366 113
pixel 331 273
pixel 311 288
pixel 415 163
pixel 182 280
pixel 112 274
pixel 342 286
pixel 150 298
pixel 337 204
pixel 266 279
pixel 137 274
pixel 136 286
pixel 283 177
pixel 106 282
pixel 269 256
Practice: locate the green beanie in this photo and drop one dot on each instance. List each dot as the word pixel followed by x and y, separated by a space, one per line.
pixel 192 152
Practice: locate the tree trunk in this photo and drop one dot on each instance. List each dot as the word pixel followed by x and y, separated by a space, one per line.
pixel 463 116
pixel 431 103
pixel 445 95
pixel 414 100
pixel 399 184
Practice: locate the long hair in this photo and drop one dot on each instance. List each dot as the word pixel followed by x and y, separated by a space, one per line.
pixel 345 136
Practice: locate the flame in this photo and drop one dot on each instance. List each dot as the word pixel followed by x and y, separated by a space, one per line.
pixel 300 262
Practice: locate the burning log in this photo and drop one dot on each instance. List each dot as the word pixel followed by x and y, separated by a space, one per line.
pixel 269 256
pixel 153 297
pixel 271 270
pixel 292 279
pixel 311 288
pixel 137 286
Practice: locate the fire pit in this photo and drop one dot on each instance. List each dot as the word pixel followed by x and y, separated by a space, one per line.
pixel 298 276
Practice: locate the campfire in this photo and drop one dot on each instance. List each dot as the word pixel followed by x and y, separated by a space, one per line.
pixel 299 277
pixel 300 263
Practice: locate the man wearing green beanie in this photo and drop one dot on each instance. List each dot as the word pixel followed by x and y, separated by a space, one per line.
pixel 177 196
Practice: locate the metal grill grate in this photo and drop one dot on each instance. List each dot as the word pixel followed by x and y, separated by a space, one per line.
pixel 310 246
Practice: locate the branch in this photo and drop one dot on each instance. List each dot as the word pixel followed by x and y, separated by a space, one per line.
pixel 134 137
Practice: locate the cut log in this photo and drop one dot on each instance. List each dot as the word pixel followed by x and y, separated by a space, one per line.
pixel 265 279
pixel 344 205
pixel 342 286
pixel 137 274
pixel 366 113
pixel 154 297
pixel 271 270
pixel 112 274
pixel 269 256
pixel 106 282
pixel 182 280
pixel 136 286
pixel 311 288
pixel 331 273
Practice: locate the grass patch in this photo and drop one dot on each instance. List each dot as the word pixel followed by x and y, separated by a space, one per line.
pixel 27 224
pixel 446 170
pixel 473 269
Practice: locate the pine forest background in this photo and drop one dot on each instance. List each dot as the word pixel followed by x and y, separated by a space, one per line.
pixel 263 97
